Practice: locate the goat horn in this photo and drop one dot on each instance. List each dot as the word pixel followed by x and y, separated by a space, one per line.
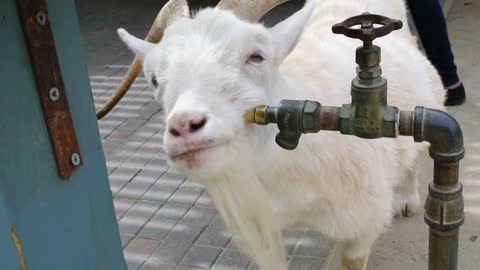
pixel 171 11
pixel 251 10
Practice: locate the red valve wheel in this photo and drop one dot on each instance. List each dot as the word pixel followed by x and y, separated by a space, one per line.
pixel 367 31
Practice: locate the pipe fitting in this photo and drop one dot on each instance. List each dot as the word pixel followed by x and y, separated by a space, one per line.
pixel 442 131
pixel 444 209
pixel 294 118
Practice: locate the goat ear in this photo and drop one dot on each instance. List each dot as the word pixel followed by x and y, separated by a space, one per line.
pixel 138 46
pixel 286 33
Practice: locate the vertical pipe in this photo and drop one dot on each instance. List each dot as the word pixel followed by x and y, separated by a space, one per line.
pixel 445 174
pixel 444 215
pixel 444 205
pixel 443 249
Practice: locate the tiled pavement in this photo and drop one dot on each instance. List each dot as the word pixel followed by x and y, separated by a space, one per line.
pixel 166 221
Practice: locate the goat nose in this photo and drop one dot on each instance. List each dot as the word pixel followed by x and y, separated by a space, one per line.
pixel 180 127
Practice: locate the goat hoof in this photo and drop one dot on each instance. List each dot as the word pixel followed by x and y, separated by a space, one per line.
pixel 354 264
pixel 408 209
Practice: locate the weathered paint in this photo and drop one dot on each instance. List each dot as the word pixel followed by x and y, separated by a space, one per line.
pixel 18 246
pixel 62 225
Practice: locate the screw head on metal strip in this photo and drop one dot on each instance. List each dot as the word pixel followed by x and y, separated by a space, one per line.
pixel 41 17
pixel 54 94
pixel 75 159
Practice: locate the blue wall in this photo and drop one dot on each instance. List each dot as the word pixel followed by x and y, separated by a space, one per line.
pixel 61 224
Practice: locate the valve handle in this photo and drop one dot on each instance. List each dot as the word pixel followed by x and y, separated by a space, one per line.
pixel 367 32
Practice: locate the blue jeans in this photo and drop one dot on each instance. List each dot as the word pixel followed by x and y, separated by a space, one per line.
pixel 432 30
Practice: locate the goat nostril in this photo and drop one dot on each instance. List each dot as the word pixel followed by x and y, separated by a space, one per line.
pixel 174 132
pixel 196 126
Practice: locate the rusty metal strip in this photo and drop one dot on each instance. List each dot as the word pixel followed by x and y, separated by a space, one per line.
pixel 50 85
pixel 18 246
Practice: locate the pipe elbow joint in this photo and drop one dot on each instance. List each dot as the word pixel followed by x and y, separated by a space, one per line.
pixel 442 131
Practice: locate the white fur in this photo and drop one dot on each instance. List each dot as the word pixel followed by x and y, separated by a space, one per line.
pixel 345 187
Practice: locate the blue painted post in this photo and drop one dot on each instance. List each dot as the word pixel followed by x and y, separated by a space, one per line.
pixel 60 224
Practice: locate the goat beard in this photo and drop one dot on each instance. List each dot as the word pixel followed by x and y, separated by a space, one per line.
pixel 245 207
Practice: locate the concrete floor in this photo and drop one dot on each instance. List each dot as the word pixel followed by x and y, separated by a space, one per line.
pixel 143 185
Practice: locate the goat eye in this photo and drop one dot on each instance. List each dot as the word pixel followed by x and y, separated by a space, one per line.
pixel 154 81
pixel 255 58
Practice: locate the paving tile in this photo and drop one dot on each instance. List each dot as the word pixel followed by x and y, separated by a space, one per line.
pixel 132 266
pixel 149 175
pixel 133 190
pixel 192 184
pixel 120 177
pixel 127 128
pixel 306 263
pixel 291 238
pixel 127 147
pixel 139 159
pixel 137 217
pixel 139 250
pixel 199 216
pixel 182 267
pixel 157 228
pixel 122 206
pixel 172 211
pixel 201 257
pixel 163 222
pixel 125 239
pixel 139 185
pixel 168 254
pixel 313 245
pixel 233 244
pixel 232 260
pixel 205 201
pixel 149 109
pixel 185 196
pixel 218 223
pixel 143 155
pixel 184 232
pixel 107 126
pixel 158 163
pixel 152 265
pixel 215 237
pixel 171 179
pixel 110 145
pixel 158 193
pixel 111 168
pixel 123 152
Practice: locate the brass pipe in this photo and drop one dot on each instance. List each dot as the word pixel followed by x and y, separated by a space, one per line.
pixel 445 174
pixel 328 118
pixel 443 246
pixel 294 118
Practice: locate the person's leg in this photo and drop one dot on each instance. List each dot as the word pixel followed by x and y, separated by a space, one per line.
pixel 432 30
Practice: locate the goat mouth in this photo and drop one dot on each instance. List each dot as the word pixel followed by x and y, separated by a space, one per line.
pixel 192 153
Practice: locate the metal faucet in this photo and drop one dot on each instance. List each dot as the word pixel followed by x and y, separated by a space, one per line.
pixel 369 116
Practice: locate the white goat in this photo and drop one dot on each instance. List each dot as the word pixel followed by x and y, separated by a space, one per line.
pixel 208 70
